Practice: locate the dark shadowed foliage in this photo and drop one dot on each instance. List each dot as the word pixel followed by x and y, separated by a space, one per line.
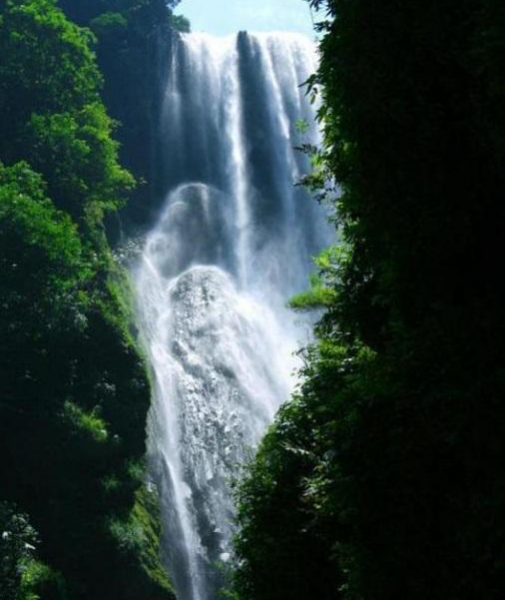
pixel 383 477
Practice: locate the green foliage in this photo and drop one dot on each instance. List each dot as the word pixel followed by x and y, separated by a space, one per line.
pixel 33 231
pixel 47 66
pixel 110 25
pixel 180 23
pixel 128 536
pixel 74 392
pixel 52 115
pixel 77 155
pixel 386 465
pixel 18 540
pixel 41 262
pixel 318 296
pixel 22 576
pixel 134 46
pixel 84 12
pixel 321 293
pixel 88 424
pixel 73 410
pixel 137 537
pixel 146 515
pixel 39 582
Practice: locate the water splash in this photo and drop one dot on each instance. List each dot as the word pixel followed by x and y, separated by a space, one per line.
pixel 233 241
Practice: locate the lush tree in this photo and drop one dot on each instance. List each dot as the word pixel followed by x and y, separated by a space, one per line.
pixel 84 11
pixel 41 262
pixel 52 113
pixel 391 453
pixel 134 46
pixel 77 154
pixel 74 393
pixel 47 66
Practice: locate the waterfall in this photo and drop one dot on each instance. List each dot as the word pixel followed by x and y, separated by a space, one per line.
pixel 232 242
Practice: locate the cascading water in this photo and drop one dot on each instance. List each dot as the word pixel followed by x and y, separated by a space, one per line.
pixel 232 243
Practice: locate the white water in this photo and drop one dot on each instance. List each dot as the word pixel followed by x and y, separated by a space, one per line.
pixel 232 243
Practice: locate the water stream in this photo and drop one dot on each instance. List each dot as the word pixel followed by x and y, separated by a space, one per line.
pixel 233 241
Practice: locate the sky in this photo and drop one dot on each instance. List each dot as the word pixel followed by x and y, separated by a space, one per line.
pixel 222 17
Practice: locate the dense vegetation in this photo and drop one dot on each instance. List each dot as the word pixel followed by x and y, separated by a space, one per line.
pixel 76 519
pixel 133 50
pixel 382 478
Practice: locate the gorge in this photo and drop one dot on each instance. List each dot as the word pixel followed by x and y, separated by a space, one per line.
pixel 162 435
